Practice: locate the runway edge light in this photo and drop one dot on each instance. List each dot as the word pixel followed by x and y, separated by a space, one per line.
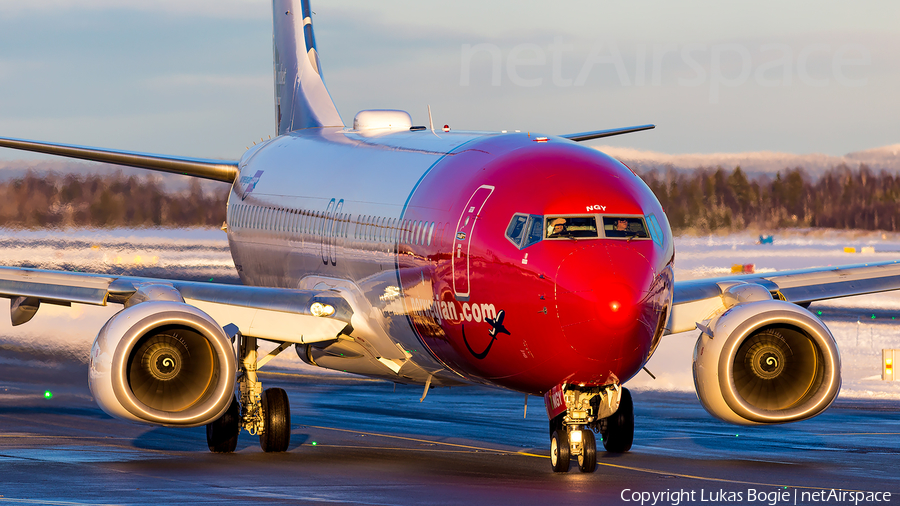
pixel 888 359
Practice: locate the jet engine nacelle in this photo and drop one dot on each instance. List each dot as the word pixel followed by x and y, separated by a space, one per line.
pixel 163 362
pixel 766 362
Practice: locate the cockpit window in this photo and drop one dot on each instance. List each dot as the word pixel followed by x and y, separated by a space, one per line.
pixel 625 227
pixel 525 230
pixel 516 228
pixel 560 227
pixel 655 230
pixel 535 230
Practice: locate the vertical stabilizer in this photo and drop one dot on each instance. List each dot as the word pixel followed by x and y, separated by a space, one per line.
pixel 301 99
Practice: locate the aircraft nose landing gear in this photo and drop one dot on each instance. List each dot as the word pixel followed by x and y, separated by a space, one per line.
pixel 607 410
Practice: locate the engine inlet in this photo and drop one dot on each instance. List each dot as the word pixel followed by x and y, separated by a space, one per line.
pixel 171 369
pixel 777 369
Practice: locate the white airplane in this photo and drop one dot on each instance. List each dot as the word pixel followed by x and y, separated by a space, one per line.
pixel 382 248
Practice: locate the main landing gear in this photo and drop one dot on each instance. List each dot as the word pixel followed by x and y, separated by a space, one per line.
pixel 263 413
pixel 606 410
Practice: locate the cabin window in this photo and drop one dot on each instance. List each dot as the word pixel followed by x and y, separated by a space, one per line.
pixel 430 233
pixel 625 227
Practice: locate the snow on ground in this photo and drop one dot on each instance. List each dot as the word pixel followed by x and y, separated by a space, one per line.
pixel 860 343
pixel 62 333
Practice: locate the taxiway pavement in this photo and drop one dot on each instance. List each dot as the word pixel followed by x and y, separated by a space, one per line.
pixel 358 441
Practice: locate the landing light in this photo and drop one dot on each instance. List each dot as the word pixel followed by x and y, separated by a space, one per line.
pixel 575 435
pixel 319 309
pixel 887 364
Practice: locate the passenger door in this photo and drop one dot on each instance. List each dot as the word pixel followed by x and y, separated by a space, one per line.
pixel 462 242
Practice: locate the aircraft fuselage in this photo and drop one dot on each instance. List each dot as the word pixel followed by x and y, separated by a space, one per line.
pixel 444 242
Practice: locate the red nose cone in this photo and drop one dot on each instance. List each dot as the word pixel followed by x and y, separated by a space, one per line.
pixel 601 292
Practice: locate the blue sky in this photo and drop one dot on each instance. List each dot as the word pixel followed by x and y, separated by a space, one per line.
pixel 194 77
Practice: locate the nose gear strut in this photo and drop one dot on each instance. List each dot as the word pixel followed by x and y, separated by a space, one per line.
pixel 606 410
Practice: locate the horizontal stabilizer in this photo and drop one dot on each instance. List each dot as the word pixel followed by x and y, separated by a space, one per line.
pixel 586 136
pixel 217 170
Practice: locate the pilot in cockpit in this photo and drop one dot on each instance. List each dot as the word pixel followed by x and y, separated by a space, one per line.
pixel 557 227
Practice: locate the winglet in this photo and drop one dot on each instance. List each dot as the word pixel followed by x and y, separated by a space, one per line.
pixel 301 98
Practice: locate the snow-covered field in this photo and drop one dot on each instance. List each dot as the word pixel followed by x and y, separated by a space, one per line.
pixel 202 250
pixel 62 333
pixel 860 343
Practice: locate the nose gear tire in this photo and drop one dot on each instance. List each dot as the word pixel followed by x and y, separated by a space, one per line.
pixel 587 461
pixel 559 451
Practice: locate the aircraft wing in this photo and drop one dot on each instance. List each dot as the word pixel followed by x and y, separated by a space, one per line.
pixel 698 299
pixel 217 170
pixel 276 314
